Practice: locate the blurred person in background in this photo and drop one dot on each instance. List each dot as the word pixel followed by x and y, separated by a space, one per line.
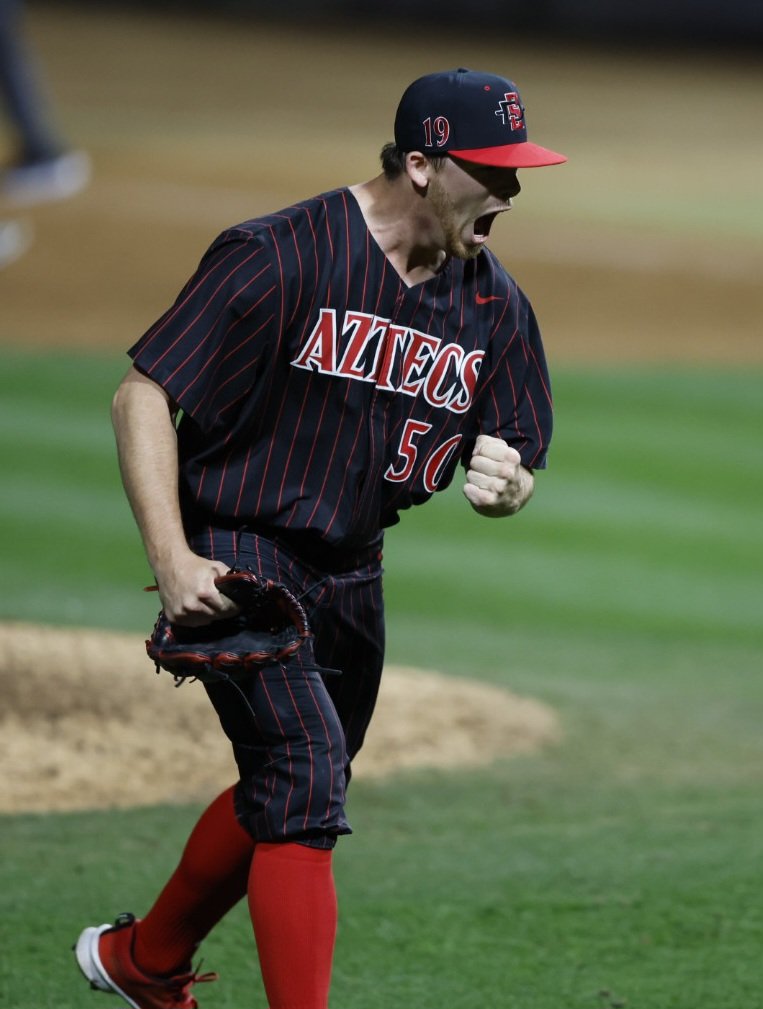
pixel 43 166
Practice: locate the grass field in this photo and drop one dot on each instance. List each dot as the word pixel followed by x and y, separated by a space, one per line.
pixel 621 867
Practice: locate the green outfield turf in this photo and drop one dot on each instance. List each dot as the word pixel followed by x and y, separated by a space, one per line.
pixel 620 867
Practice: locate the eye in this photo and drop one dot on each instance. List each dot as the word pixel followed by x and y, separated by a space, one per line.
pixel 495 175
pixel 500 176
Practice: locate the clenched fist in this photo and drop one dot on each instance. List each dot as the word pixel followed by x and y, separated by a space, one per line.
pixel 496 482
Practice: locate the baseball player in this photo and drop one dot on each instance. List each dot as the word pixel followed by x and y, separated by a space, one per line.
pixel 325 368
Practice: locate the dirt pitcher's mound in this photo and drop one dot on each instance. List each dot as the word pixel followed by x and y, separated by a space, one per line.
pixel 86 723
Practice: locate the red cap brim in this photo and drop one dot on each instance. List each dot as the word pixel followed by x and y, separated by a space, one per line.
pixel 524 155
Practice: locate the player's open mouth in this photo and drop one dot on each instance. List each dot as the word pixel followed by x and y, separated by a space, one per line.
pixel 483 225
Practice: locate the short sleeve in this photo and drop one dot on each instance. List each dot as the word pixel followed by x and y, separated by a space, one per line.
pixel 205 349
pixel 516 403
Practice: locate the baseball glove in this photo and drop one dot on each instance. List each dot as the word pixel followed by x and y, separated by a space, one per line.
pixel 270 628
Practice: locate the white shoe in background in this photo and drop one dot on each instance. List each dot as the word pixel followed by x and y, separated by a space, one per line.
pixel 15 239
pixel 56 178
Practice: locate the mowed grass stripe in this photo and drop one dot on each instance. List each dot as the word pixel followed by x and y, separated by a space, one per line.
pixel 541 585
pixel 30 426
pixel 693 431
pixel 70 379
pixel 95 511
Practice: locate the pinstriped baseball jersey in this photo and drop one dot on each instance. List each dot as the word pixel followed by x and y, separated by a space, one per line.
pixel 319 392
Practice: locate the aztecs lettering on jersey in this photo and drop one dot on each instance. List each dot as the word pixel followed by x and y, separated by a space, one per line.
pixel 369 348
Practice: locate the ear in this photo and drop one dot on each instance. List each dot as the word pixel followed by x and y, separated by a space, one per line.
pixel 418 168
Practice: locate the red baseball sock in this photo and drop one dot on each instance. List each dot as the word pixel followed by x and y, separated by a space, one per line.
pixel 292 902
pixel 211 877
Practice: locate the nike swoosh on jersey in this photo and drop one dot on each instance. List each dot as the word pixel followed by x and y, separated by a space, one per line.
pixel 484 299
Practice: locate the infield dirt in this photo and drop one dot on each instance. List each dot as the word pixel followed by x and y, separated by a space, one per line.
pixel 86 723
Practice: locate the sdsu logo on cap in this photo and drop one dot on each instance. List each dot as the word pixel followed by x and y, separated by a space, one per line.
pixel 473 116
pixel 511 112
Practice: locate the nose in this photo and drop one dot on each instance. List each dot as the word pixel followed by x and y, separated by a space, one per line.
pixel 506 185
pixel 513 187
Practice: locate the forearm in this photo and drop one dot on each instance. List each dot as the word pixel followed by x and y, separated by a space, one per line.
pixel 148 462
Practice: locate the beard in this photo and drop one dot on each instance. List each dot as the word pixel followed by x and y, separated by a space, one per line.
pixel 445 211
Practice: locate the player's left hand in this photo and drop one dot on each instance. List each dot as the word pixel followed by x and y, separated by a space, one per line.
pixel 497 483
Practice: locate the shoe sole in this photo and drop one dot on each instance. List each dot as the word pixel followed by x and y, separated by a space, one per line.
pixel 89 962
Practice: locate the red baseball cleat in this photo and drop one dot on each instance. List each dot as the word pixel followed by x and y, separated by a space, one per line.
pixel 104 955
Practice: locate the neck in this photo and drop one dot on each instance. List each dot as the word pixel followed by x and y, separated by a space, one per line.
pixel 402 226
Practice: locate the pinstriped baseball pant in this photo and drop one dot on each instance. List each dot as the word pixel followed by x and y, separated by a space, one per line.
pixel 293 748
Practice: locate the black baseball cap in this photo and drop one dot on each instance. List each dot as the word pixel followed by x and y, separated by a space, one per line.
pixel 474 116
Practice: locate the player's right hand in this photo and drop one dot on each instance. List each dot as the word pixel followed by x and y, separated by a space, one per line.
pixel 188 591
